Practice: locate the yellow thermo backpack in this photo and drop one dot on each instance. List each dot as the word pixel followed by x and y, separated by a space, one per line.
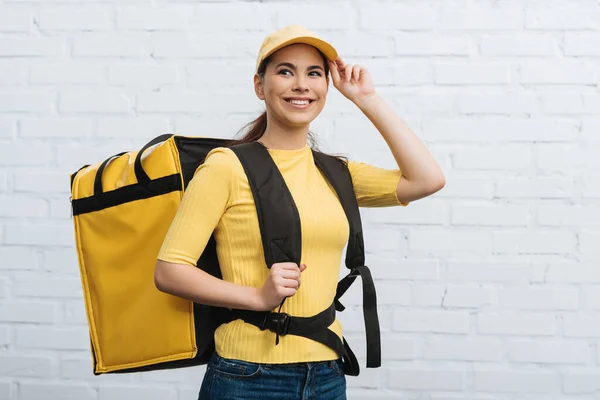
pixel 122 209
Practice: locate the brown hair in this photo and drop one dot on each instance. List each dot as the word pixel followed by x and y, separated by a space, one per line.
pixel 256 128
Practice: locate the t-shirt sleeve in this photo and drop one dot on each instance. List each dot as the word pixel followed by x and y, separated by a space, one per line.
pixel 204 201
pixel 374 186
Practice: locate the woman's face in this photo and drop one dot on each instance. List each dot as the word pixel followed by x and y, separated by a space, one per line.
pixel 294 86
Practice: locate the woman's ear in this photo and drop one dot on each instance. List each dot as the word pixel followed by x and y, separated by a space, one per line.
pixel 258 87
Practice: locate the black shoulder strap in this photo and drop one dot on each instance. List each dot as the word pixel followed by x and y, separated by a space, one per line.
pixel 278 216
pixel 337 173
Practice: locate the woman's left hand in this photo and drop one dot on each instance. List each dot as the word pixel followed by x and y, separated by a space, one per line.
pixel 352 80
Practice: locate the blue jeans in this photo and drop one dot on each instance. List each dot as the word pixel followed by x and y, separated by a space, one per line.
pixel 229 379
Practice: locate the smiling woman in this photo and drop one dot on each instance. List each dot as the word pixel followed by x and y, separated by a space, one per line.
pixel 294 300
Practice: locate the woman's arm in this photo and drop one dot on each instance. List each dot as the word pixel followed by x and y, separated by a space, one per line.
pixel 421 175
pixel 193 284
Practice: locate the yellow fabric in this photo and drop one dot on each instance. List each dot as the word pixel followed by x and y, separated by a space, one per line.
pixel 219 198
pixel 290 35
pixel 117 248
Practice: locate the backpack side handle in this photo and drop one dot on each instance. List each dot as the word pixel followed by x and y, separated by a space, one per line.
pixel 140 174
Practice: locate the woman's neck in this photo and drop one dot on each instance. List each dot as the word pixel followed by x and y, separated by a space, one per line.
pixel 284 138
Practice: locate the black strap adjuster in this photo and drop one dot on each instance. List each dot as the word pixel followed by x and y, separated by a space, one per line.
pixel 278 323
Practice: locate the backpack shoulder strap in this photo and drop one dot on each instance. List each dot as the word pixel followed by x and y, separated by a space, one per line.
pixel 337 173
pixel 278 216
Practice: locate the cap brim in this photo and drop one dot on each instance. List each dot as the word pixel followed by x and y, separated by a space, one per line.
pixel 328 50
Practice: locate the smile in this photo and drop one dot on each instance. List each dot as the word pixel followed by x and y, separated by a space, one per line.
pixel 299 103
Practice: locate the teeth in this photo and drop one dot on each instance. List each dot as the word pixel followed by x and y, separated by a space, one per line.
pixel 299 102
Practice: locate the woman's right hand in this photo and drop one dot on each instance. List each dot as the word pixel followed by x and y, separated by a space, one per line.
pixel 283 281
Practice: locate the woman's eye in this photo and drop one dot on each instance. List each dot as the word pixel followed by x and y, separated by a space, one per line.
pixel 315 73
pixel 284 72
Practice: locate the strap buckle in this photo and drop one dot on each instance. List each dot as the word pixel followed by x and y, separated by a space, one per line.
pixel 278 323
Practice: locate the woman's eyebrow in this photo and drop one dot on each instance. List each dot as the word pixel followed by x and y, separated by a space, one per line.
pixel 292 66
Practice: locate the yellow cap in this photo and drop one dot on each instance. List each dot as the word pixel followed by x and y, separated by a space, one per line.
pixel 290 35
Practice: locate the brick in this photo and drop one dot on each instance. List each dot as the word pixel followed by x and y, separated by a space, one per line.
pixel 3 182
pixel 47 287
pixel 18 258
pixel 55 128
pixel 138 127
pixel 588 242
pixel 515 323
pixel 383 239
pixel 7 128
pixel 63 261
pixel 457 73
pixel 152 18
pixel 74 312
pixel 390 293
pixel 179 45
pixel 15 19
pixel 563 16
pixel 549 352
pixel 369 379
pixel 53 338
pixel 53 391
pixel 405 269
pixel 427 295
pixel 426 379
pixel 467 297
pixel 559 215
pixel 352 319
pixel 529 298
pixel 60 209
pixel 499 130
pixel 448 240
pixel 23 207
pixel 568 272
pixel 589 130
pixel 320 17
pixel 431 321
pixel 560 158
pixel 496 103
pixel 396 17
pixel 558 72
pixel 519 44
pixel 569 103
pixel 534 242
pixel 423 104
pixel 517 382
pixel 462 350
pixel 219 72
pixel 25 154
pixel 466 187
pixel 538 187
pixel 25 366
pixel 581 326
pixel 222 17
pixel 12 75
pixel 72 74
pixel 490 215
pixel 581 383
pixel 582 44
pixel 5 336
pixel 27 311
pixel 485 158
pixel 39 234
pixel 488 271
pixel 71 157
pixel 498 16
pixel 31 101
pixel 136 392
pixel 422 213
pixel 175 102
pixel 41 181
pixel 67 18
pixel 95 101
pixel 425 44
pixel 111 45
pixel 397 348
pixel 6 391
pixel 143 75
pixel 31 46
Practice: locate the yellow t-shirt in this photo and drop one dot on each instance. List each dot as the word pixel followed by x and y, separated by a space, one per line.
pixel 219 199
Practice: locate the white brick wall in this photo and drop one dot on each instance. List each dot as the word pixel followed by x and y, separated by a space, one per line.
pixel 488 291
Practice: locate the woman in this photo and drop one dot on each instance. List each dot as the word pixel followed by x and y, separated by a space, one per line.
pixel 292 78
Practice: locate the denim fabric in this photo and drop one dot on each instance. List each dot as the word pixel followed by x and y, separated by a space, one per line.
pixel 229 379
